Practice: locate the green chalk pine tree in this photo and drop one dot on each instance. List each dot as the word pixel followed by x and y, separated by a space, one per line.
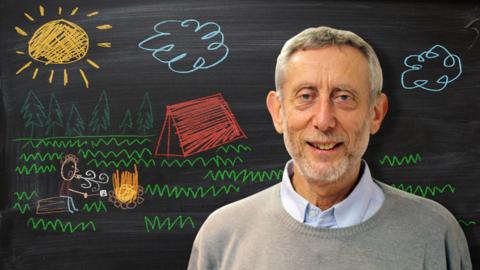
pixel 33 113
pixel 100 118
pixel 126 123
pixel 75 125
pixel 145 115
pixel 54 117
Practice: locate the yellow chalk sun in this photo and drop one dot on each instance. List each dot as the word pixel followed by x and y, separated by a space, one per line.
pixel 59 42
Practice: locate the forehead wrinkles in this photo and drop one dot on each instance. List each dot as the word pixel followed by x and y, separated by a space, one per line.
pixel 315 66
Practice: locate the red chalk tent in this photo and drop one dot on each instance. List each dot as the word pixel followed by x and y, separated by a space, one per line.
pixel 196 126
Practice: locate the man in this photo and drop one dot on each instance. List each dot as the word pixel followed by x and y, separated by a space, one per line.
pixel 328 212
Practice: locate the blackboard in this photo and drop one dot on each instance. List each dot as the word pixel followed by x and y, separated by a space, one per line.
pixel 112 87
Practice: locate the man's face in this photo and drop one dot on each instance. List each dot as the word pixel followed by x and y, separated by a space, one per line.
pixel 324 113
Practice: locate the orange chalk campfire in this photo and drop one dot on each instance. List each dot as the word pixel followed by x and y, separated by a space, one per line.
pixel 126 193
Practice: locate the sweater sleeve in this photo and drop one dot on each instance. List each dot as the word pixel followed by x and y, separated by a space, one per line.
pixel 209 243
pixel 458 256
pixel 200 256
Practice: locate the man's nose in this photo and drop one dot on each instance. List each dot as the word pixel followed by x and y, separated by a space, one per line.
pixel 324 115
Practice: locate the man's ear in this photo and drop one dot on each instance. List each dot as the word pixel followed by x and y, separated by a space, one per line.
pixel 379 111
pixel 274 105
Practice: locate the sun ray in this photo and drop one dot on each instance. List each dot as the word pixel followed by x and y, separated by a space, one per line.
pixel 65 77
pixel 84 77
pixel 93 64
pixel 35 74
pixel 28 16
pixel 20 31
pixel 104 27
pixel 24 67
pixel 50 79
pixel 19 52
pixel 74 11
pixel 41 10
pixel 59 10
pixel 92 14
pixel 104 44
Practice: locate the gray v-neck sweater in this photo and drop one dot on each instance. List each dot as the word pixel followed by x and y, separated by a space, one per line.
pixel 407 232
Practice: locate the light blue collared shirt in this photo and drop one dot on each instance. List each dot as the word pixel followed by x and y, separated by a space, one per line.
pixel 362 203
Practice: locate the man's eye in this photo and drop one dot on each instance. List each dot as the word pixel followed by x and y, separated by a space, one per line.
pixel 306 97
pixel 345 100
pixel 344 97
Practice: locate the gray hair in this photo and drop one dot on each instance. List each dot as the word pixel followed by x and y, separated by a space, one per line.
pixel 314 38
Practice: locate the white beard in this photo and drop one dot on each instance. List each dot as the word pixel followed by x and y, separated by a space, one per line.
pixel 331 174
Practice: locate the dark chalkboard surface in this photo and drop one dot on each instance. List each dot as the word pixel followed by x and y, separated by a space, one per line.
pixel 125 123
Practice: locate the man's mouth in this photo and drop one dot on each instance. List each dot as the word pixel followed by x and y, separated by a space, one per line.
pixel 324 146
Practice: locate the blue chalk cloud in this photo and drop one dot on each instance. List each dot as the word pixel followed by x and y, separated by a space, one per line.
pixel 187 46
pixel 431 70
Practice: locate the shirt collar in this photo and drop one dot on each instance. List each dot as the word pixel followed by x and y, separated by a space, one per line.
pixel 348 212
pixel 354 207
pixel 295 204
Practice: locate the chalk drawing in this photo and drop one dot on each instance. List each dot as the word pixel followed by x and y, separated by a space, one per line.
pixel 425 190
pixel 126 193
pixel 198 125
pixel 437 62
pixel 188 192
pixel 395 161
pixel 245 175
pixel 64 202
pixel 169 46
pixel 156 223
pixel 58 42
pixel 473 26
pixel 58 225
